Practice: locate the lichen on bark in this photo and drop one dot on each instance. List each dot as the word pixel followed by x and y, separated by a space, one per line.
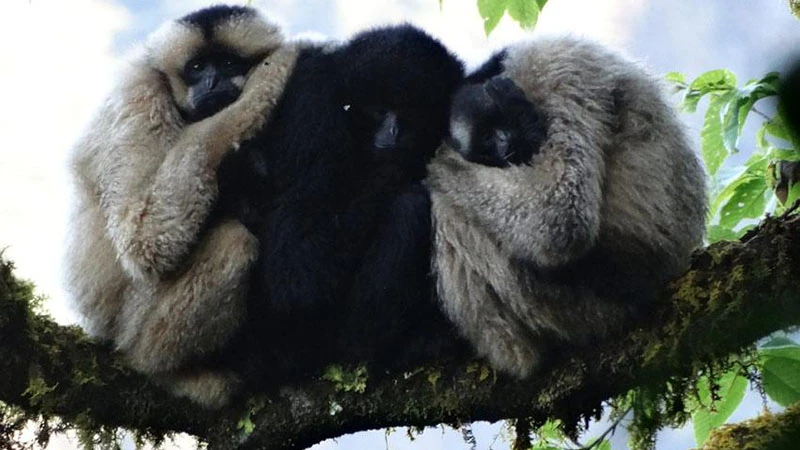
pixel 733 294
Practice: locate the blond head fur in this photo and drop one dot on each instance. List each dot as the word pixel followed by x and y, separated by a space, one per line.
pixel 143 267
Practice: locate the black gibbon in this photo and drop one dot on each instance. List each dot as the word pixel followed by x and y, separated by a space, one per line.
pixel 559 243
pixel 331 187
pixel 145 176
pixel 401 83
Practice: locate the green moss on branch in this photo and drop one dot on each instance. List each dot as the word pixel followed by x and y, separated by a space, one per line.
pixel 766 432
pixel 734 294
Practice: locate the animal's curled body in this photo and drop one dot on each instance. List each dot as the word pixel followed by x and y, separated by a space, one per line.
pixel 564 248
pixel 332 189
pixel 143 267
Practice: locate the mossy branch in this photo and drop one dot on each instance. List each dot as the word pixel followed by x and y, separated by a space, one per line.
pixel 766 432
pixel 734 294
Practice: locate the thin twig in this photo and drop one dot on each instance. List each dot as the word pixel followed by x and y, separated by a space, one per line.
pixel 496 436
pixel 609 430
pixel 764 116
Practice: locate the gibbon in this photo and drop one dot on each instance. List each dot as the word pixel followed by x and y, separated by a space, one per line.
pixel 144 267
pixel 332 189
pixel 553 231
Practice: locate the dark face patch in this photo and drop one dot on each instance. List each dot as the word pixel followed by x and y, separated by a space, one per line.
pixel 494 124
pixel 209 77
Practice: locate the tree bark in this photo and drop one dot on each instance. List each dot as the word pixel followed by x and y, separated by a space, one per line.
pixel 733 294
pixel 766 432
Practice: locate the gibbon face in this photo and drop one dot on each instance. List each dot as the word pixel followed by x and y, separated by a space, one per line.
pixel 494 124
pixel 206 56
pixel 214 79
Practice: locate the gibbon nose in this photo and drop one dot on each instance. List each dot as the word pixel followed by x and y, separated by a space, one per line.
pixel 212 80
pixel 386 137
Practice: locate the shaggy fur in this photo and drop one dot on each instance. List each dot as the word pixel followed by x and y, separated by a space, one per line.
pixel 344 226
pixel 143 268
pixel 563 249
pixel 392 317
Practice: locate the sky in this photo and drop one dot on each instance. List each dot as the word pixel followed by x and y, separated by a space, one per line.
pixel 59 58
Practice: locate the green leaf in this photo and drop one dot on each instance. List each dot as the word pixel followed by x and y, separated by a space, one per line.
pixel 776 127
pixel 714 81
pixel 781 373
pixel 246 425
pixel 491 11
pixel 713 149
pixel 784 154
pixel 716 233
pixel 732 387
pixel 723 191
pixel 541 3
pixel 675 77
pixel 779 341
pixel 690 101
pixel 790 134
pixel 602 445
pixel 765 87
pixel 755 171
pixel 749 201
pixel 738 108
pixel 551 431
pixel 733 120
pixel 525 12
pixel 794 194
pixel 770 84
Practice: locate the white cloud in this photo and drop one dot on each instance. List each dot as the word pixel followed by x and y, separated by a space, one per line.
pixel 459 25
pixel 57 63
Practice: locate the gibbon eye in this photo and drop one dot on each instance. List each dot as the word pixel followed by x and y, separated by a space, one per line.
pixel 194 66
pixel 228 63
pixel 502 136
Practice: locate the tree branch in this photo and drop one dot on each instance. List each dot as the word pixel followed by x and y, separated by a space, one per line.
pixel 734 294
pixel 766 432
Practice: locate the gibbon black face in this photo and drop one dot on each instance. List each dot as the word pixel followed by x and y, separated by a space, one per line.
pixel 399 83
pixel 383 124
pixel 393 133
pixel 494 124
pixel 214 80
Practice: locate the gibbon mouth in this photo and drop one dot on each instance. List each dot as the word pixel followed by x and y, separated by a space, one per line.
pixel 220 98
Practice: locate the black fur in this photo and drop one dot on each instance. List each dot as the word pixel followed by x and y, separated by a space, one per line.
pixel 505 127
pixel 491 68
pixel 393 319
pixel 289 186
pixel 207 18
pixel 343 274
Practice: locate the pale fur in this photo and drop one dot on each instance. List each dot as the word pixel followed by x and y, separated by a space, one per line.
pixel 141 268
pixel 615 174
